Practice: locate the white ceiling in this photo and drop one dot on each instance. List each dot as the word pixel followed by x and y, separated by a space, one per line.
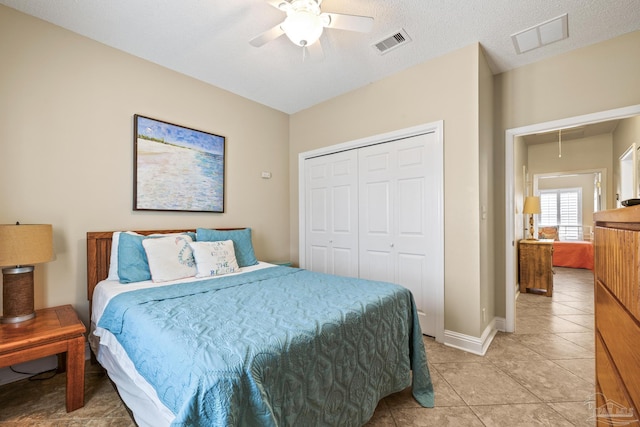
pixel 571 133
pixel 208 39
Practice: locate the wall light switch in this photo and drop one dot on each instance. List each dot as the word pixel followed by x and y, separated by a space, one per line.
pixel 266 175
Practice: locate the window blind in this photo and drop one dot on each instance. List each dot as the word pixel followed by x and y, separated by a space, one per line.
pixel 548 209
pixel 562 208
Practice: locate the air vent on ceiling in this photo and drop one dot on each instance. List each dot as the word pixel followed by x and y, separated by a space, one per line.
pixel 548 32
pixel 392 42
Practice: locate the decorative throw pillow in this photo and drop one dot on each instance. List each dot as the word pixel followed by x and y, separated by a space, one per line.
pixel 132 260
pixel 170 258
pixel 548 233
pixel 214 258
pixel 241 243
pixel 132 265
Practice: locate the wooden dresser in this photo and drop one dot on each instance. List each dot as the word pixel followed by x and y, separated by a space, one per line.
pixel 535 259
pixel 617 315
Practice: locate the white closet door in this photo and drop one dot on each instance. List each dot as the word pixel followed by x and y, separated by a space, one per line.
pixel 396 224
pixel 332 214
pixel 377 198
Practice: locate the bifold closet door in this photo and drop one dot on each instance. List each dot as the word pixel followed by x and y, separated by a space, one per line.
pixel 331 214
pixel 396 225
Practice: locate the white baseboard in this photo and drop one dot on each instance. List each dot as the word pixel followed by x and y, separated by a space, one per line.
pixel 470 343
pixel 34 366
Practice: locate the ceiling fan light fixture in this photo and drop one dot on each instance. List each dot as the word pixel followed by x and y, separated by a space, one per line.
pixel 303 27
pixel 305 24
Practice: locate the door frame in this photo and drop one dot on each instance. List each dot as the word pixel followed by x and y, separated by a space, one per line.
pixel 510 207
pixel 627 165
pixel 434 127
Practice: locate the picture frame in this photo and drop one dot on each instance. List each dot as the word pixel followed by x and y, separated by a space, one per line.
pixel 177 168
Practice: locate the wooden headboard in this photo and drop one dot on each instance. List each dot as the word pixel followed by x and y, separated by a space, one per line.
pixel 99 253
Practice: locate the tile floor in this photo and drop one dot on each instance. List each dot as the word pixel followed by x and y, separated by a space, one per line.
pixel 541 375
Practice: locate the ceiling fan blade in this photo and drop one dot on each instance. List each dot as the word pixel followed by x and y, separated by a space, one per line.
pixel 267 36
pixel 362 24
pixel 314 51
pixel 280 4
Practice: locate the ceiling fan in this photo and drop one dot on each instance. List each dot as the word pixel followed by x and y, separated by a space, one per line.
pixel 305 22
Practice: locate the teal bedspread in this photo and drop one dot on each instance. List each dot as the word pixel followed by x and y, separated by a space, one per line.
pixel 273 347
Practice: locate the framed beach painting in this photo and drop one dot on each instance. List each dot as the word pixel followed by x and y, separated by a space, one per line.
pixel 176 168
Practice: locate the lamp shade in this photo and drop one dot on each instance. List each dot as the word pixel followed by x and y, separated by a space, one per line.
pixel 531 205
pixel 25 244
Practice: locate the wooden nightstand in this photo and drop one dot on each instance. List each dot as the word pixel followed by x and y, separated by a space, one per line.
pixel 536 265
pixel 54 330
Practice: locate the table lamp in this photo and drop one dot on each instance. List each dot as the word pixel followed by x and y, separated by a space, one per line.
pixel 20 247
pixel 531 207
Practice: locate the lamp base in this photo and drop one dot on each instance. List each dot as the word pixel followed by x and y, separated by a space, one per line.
pixel 531 229
pixel 17 294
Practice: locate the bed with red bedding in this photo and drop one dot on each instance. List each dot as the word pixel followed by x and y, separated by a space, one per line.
pixel 577 254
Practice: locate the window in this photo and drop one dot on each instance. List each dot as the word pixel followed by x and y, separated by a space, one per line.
pixel 562 208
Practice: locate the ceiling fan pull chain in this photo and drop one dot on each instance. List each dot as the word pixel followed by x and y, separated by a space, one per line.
pixel 560 143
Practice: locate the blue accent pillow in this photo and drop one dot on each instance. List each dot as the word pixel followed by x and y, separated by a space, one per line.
pixel 241 243
pixel 133 265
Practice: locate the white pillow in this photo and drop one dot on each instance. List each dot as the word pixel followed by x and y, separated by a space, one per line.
pixel 113 262
pixel 115 240
pixel 170 258
pixel 214 258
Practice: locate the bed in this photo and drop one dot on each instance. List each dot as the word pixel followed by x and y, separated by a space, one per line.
pixel 569 253
pixel 573 254
pixel 263 345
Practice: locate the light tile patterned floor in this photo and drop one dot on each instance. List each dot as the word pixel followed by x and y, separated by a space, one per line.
pixel 541 375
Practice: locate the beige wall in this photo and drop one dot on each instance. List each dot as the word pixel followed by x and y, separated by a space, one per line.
pixel 442 89
pixel 596 78
pixel 66 148
pixel 522 183
pixel 577 154
pixel 522 189
pixel 486 183
pixel 582 154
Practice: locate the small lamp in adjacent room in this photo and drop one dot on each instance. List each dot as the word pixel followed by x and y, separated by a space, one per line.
pixel 20 247
pixel 531 207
